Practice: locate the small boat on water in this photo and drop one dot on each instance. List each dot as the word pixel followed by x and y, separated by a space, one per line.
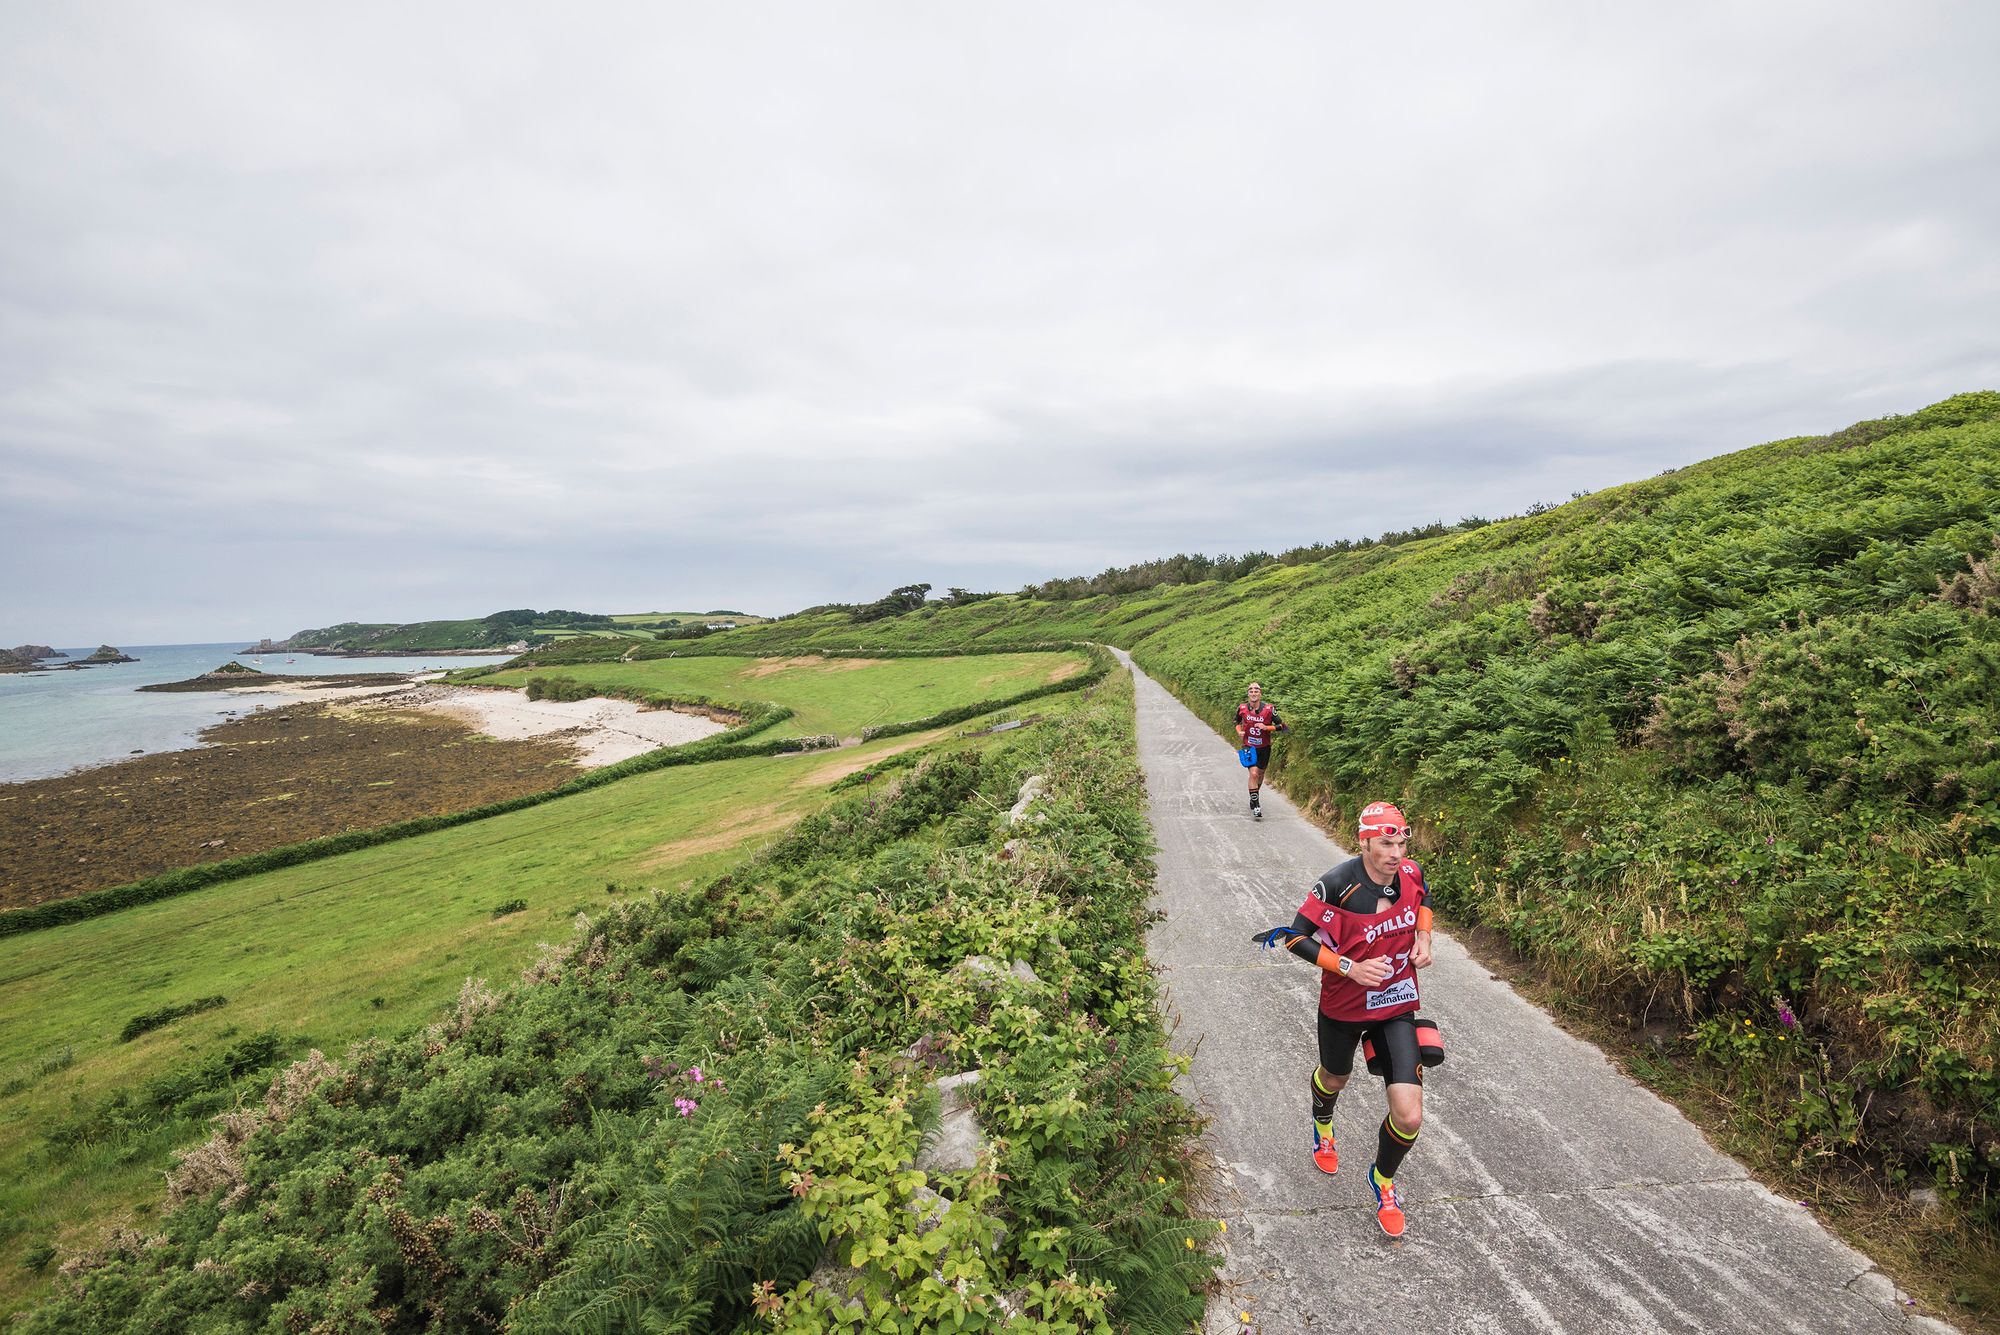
pixel 291 660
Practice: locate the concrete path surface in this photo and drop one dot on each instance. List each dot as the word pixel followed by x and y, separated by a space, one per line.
pixel 1547 1192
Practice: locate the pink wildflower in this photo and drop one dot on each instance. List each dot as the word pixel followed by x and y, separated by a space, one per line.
pixel 695 1071
pixel 685 1107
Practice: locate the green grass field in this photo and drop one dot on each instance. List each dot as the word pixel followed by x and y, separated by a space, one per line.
pixel 840 696
pixel 598 634
pixel 329 952
pixel 688 618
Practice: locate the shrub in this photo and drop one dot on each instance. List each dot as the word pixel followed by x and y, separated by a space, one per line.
pixel 166 1015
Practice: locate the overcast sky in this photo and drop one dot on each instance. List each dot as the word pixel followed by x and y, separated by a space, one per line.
pixel 390 312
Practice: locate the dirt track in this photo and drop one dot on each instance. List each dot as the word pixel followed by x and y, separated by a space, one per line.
pixel 271 778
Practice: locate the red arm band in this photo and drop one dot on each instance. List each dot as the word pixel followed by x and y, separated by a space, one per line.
pixel 1423 918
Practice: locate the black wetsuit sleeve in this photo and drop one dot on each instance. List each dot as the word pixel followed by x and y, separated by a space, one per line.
pixel 1303 945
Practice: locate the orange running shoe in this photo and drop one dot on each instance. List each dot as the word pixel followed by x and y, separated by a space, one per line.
pixel 1325 1157
pixel 1387 1213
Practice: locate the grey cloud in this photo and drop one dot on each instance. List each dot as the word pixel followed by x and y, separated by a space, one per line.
pixel 444 309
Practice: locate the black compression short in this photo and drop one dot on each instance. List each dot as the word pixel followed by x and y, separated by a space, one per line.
pixel 1263 757
pixel 1398 1036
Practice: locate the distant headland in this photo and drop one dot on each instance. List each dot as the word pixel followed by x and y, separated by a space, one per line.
pixel 511 632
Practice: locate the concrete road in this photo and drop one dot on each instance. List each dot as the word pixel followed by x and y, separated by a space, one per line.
pixel 1547 1191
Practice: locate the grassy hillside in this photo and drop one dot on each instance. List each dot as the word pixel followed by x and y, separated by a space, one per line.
pixel 656 1127
pixel 1716 752
pixel 413 637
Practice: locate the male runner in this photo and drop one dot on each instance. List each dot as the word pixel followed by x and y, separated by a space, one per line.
pixel 1256 722
pixel 1367 923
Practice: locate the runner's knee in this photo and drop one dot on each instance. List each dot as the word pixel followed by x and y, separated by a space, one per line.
pixel 1406 1105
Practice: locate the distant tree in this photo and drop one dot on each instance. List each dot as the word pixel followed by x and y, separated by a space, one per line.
pixel 908 598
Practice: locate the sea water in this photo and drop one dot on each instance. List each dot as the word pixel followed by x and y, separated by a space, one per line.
pixel 54 722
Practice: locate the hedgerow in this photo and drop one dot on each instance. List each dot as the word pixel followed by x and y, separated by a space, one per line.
pixel 667 1122
pixel 148 1021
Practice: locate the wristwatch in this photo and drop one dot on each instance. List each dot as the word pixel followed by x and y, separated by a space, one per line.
pixel 1346 966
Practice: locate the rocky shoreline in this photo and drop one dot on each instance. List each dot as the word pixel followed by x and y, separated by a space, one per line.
pixel 317 756
pixel 233 676
pixel 274 777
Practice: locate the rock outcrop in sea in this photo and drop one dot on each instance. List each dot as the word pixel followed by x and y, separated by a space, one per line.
pixel 105 654
pixel 27 657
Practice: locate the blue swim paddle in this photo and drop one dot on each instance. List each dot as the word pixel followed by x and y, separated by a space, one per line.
pixel 1248 755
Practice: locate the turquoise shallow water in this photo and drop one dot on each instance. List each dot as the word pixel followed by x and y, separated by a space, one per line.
pixel 54 722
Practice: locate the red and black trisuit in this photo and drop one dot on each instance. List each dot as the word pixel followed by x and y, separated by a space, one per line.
pixel 1258 726
pixel 1355 917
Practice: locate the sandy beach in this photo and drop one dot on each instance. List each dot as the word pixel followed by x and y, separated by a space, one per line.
pixel 600 731
pixel 603 731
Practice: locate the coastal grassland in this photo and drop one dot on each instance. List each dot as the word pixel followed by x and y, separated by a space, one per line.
pixel 1712 755
pixel 663 1125
pixel 322 954
pixel 832 696
pixel 263 781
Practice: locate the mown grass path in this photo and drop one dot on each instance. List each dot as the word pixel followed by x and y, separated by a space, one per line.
pixel 1547 1191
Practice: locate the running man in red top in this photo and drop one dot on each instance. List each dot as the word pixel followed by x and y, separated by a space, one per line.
pixel 1367 923
pixel 1256 724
